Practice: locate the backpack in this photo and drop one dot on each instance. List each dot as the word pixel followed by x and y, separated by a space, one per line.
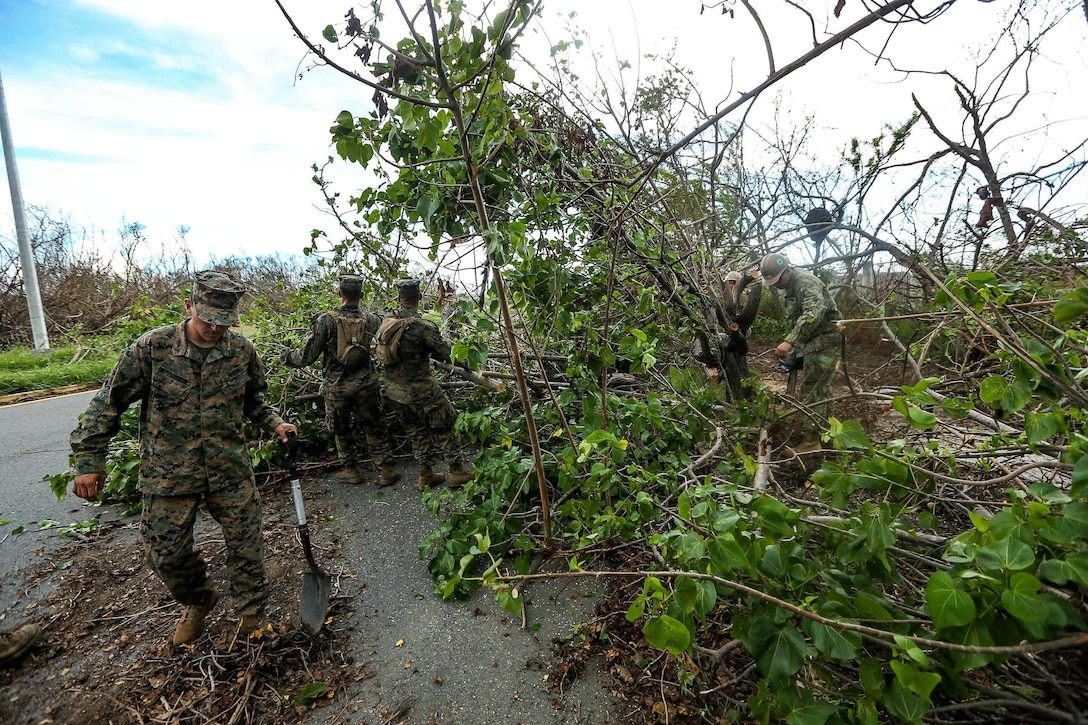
pixel 352 339
pixel 389 334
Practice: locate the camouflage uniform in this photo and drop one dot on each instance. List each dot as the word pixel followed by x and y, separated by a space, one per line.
pixel 351 393
pixel 422 408
pixel 812 315
pixel 194 402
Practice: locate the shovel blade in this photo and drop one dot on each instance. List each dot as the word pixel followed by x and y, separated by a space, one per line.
pixel 316 589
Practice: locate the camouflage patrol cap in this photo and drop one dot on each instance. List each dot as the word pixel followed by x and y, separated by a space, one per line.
pixel 772 267
pixel 407 287
pixel 216 296
pixel 351 283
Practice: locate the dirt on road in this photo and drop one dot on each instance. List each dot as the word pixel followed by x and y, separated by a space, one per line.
pixel 391 651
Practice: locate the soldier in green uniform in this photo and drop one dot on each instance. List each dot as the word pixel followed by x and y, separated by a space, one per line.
pixel 813 338
pixel 350 385
pixel 406 344
pixel 197 382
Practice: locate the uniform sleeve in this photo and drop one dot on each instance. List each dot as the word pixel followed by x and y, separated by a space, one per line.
pixel 815 304
pixel 314 347
pixel 440 349
pixel 255 407
pixel 373 322
pixel 129 381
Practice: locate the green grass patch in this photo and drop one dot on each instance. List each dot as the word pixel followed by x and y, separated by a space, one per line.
pixel 22 371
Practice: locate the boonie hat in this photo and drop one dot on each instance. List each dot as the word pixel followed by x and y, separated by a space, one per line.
pixel 216 296
pixel 772 267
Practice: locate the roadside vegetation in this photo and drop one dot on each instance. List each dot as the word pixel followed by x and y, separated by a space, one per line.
pixel 21 370
pixel 930 565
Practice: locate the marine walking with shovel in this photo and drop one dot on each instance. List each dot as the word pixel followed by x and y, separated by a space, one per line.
pixel 196 382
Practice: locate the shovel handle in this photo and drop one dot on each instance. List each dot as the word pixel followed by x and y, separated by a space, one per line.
pixel 300 509
pixel 289 449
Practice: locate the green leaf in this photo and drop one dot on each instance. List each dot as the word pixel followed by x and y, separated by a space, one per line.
pixel 871 676
pixel 1075 519
pixel 685 593
pixel 815 714
pixel 706 597
pixel 637 609
pixel 1039 427
pixel 833 642
pixel 726 557
pixel 870 608
pixel 911 650
pixel 1073 567
pixel 779 650
pixel 981 278
pixel 1049 493
pixel 683 506
pixel 1068 310
pixel 921 419
pixel 1021 599
pixel 956 408
pixel 723 520
pixel 992 389
pixel 917 681
pixel 928 521
pixel 311 692
pixel 1079 487
pixel 949 605
pixel 667 633
pixel 848 434
pixel 918 418
pixel 329 33
pixel 773 563
pixel 1016 397
pixel 1005 555
pixel 1011 396
pixel 974 634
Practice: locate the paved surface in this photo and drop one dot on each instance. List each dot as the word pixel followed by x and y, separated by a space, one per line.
pixel 35 444
pixel 445 662
pixel 428 661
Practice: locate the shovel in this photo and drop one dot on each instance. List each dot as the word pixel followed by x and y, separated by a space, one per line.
pixel 316 584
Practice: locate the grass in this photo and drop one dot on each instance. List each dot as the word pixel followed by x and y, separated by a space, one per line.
pixel 21 370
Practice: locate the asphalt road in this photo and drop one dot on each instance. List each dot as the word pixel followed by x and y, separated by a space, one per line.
pixel 455 663
pixel 35 444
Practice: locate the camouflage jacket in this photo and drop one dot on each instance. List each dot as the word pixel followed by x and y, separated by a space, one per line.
pixel 191 415
pixel 322 341
pixel 410 380
pixel 810 311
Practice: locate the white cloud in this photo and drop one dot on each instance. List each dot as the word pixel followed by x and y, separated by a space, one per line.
pixel 225 143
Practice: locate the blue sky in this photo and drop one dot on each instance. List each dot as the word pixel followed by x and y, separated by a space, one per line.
pixel 192 114
pixel 120 111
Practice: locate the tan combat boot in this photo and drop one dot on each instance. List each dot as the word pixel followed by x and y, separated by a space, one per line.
pixel 428 477
pixel 14 645
pixel 192 621
pixel 810 444
pixel 348 474
pixel 459 475
pixel 390 475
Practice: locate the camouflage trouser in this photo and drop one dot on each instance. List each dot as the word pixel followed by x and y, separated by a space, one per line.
pixel 429 426
pixel 820 360
pixel 167 528
pixel 352 407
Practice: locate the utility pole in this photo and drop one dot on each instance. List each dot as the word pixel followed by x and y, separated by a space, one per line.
pixel 26 253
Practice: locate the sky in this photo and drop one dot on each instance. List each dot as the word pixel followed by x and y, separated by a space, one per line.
pixel 194 115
